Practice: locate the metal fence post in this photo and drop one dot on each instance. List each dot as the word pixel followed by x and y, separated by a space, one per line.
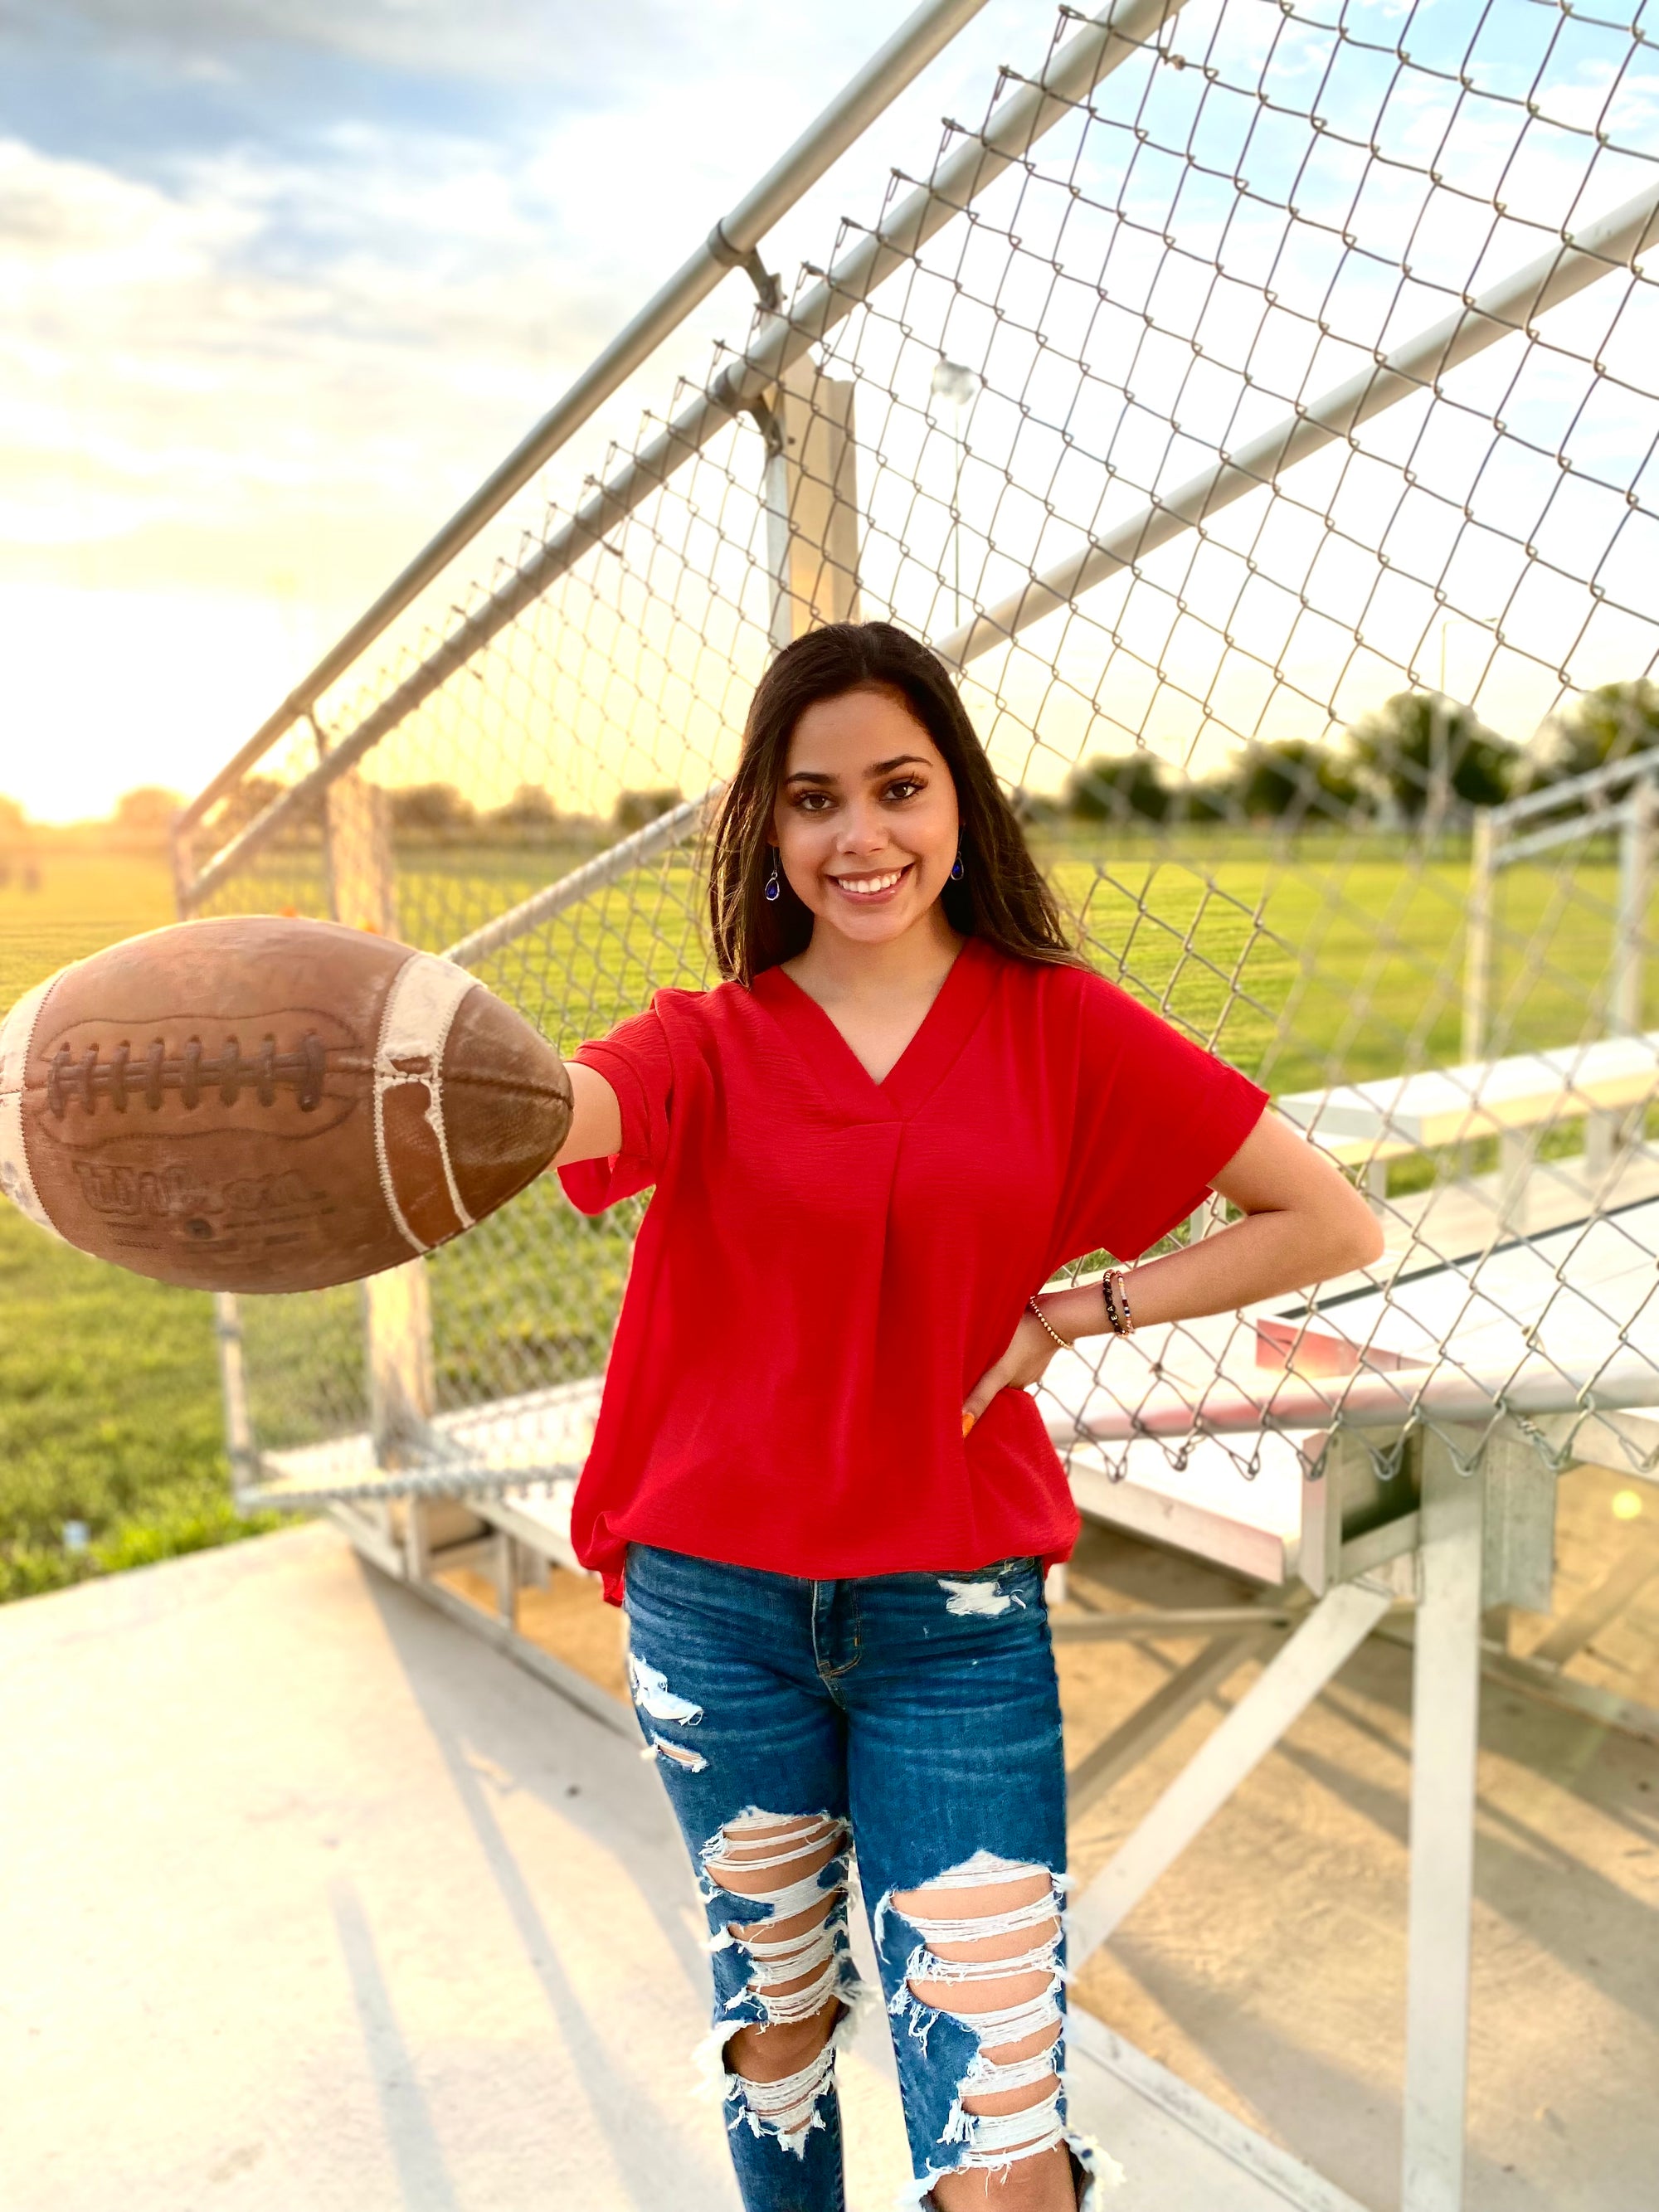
pixel 811 501
pixel 397 1304
pixel 1477 935
pixel 362 884
pixel 240 1441
pixel 1635 895
pixel 1608 1136
pixel 241 1446
pixel 1445 1723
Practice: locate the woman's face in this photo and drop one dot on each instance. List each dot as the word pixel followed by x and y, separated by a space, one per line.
pixel 866 822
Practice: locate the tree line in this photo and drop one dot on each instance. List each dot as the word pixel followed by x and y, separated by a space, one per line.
pixel 1417 749
pixel 442 810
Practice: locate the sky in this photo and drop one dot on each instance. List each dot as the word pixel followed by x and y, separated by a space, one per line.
pixel 280 280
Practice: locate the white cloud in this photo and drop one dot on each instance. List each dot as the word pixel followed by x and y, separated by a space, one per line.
pixel 261 371
pixel 499 41
pixel 250 338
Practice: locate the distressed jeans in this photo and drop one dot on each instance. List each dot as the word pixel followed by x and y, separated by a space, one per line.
pixel 912 1720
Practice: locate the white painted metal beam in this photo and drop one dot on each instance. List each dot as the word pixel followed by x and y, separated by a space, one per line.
pixel 1333 1632
pixel 1445 1722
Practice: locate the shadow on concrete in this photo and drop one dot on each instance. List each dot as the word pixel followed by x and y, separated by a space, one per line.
pixel 441 1667
pixel 1522 1873
pixel 1569 1750
pixel 423 2177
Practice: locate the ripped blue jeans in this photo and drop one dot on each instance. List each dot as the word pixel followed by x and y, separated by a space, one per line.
pixel 911 1722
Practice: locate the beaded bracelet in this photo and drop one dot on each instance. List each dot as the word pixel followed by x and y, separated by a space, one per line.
pixel 1064 1343
pixel 1119 1319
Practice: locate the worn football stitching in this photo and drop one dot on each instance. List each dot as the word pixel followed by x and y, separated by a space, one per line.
pixel 154 1075
pixel 188 1072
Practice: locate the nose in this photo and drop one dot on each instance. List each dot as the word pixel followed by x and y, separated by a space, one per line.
pixel 862 830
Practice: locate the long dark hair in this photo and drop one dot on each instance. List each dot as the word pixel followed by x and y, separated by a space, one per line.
pixel 1002 896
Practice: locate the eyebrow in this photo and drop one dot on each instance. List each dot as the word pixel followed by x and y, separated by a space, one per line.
pixel 875 768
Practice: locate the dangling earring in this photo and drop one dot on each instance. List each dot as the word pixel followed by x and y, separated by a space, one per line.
pixel 774 888
pixel 956 872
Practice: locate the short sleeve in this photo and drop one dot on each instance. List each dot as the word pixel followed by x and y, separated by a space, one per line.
pixel 1156 1117
pixel 636 1061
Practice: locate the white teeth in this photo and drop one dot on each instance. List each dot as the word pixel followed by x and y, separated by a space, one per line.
pixel 863 887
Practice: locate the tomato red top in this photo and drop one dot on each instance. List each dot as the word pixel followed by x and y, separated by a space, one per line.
pixel 828 1264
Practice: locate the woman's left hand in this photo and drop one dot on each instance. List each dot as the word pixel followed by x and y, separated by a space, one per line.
pixel 1030 1350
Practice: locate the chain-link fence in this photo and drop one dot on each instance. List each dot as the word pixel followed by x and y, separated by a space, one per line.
pixel 1258 404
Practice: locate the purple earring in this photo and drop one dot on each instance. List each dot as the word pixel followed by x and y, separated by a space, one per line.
pixel 774 888
pixel 956 872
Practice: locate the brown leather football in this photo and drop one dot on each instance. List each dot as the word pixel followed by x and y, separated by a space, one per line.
pixel 255 1104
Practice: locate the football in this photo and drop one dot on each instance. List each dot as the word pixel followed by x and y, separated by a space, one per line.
pixel 259 1104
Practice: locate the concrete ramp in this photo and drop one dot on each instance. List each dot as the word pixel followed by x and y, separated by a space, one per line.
pixel 313 1901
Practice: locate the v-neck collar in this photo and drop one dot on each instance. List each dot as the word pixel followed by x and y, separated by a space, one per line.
pixel 920 1068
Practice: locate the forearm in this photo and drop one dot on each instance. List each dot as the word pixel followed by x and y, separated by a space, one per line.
pixel 1302 1224
pixel 595 1129
pixel 1261 1256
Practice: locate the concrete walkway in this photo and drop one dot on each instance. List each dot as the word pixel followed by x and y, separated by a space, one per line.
pixel 313 1901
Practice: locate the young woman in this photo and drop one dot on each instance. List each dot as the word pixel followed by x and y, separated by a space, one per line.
pixel 819 1483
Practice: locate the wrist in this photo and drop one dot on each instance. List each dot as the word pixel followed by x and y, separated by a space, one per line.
pixel 1114 1297
pixel 1062 1342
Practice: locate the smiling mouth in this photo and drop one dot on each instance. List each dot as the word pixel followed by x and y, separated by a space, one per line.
pixel 868 890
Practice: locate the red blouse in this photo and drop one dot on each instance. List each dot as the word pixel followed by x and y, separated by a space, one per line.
pixel 830 1264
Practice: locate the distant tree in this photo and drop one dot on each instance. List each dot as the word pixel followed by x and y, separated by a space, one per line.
pixel 1294 777
pixel 635 808
pixel 1416 735
pixel 244 803
pixel 431 806
pixel 1212 800
pixel 1114 786
pixel 529 809
pixel 1602 725
pixel 147 811
pixel 1037 810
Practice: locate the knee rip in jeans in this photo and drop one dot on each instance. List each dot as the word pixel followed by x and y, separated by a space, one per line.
pixel 801 1962
pixel 989 1957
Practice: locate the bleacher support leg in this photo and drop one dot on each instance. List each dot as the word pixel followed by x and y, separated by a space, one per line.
pixel 1515 1164
pixel 1445 1716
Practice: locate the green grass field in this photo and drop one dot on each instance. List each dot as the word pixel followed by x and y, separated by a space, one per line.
pixel 1337 963
pixel 109 1397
